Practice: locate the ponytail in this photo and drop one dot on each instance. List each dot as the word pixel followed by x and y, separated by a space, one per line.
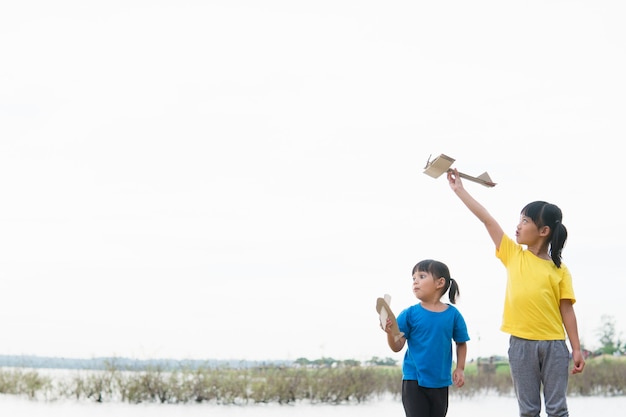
pixel 453 290
pixel 557 242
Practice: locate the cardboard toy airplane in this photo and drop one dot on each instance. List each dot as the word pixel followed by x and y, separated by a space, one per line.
pixel 442 164
pixel 384 312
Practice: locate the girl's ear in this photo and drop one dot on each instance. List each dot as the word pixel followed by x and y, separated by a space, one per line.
pixel 441 282
pixel 544 231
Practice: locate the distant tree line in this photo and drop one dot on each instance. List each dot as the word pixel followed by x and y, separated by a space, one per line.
pixel 330 362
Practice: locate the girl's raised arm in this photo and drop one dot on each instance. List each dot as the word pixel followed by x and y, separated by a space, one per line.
pixel 493 228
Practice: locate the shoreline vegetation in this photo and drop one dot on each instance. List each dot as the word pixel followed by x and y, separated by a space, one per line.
pixel 321 381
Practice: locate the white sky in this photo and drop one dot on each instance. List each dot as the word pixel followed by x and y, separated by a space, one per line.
pixel 242 179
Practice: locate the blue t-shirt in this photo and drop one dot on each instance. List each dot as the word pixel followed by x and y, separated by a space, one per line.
pixel 429 335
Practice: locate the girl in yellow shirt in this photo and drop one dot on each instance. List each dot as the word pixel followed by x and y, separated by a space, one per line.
pixel 538 306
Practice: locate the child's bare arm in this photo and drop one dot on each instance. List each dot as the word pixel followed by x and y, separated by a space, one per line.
pixel 493 228
pixel 395 345
pixel 571 327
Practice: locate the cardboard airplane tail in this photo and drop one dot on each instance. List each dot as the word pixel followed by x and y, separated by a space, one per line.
pixel 483 179
pixel 442 164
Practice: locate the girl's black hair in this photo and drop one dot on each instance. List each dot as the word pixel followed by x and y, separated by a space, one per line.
pixel 439 270
pixel 546 214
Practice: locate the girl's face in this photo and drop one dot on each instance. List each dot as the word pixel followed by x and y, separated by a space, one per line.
pixel 426 287
pixel 527 232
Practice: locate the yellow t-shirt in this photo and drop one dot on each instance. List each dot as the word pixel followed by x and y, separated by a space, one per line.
pixel 534 290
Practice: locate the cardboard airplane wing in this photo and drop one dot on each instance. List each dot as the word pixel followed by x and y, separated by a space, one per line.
pixel 442 164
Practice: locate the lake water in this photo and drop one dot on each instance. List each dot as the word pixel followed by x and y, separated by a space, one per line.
pixel 487 406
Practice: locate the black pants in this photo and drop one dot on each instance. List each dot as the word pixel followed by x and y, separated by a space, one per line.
pixel 424 402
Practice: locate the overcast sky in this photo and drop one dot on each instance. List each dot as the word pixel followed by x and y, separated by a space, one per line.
pixel 242 179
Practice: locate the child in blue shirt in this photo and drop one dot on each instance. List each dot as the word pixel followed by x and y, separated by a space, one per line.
pixel 429 329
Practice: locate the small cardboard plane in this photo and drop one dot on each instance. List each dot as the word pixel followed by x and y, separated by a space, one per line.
pixel 442 164
pixel 384 312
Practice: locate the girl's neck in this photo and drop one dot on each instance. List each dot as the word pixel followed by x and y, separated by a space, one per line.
pixel 540 251
pixel 433 305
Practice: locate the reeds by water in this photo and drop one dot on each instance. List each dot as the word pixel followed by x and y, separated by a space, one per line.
pixel 283 385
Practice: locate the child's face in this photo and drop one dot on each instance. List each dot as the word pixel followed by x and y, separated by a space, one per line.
pixel 527 232
pixel 426 287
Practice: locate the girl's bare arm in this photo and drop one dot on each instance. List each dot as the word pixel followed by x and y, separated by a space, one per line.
pixel 493 228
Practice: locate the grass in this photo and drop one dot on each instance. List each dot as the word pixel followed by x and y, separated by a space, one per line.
pixel 275 384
